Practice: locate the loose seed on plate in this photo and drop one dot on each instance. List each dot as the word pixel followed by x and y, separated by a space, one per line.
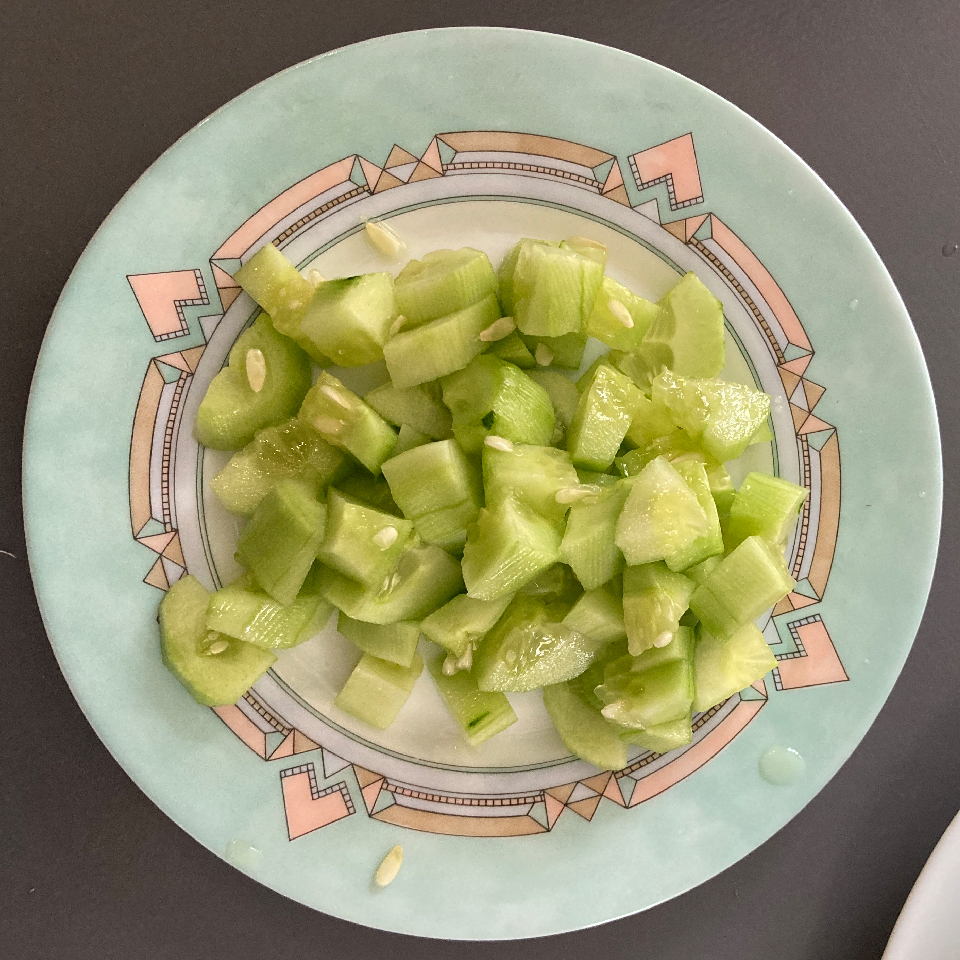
pixel 335 395
pixel 620 312
pixel 543 355
pixel 389 868
pixel 386 537
pixel 256 367
pixel 498 443
pixel 384 239
pixel 498 330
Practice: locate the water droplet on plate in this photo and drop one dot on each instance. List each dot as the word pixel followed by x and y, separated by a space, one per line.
pixel 241 855
pixel 781 766
pixel 949 249
pixel 854 304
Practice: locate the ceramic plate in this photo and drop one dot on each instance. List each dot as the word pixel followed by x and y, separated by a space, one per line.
pixel 474 137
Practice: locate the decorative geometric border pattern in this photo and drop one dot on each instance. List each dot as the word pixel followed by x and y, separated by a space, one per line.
pixel 806 655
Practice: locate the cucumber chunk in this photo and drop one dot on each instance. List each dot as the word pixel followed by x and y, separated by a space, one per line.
pixel 721 487
pixel 661 516
pixel 185 644
pixel 361 542
pixel 363 487
pixel 279 543
pixel 553 289
pixel 649 421
pixel 654 600
pixel 440 347
pixel 566 351
pixel 346 421
pixel 700 571
pixel 563 394
pixel 764 506
pixel 655 696
pixel 748 581
pixel 507 548
pixel 419 407
pixel 377 690
pixel 232 411
pixel 589 545
pixel 585 732
pixel 598 616
pixel 634 366
pixel 686 335
pixel 242 611
pixel 614 305
pixel 408 438
pixel 463 622
pixel 442 283
pixel 662 737
pixel 527 649
pixel 396 642
pixel 292 450
pixel 513 350
pixel 532 474
pixel 711 543
pixel 491 397
pixel 602 419
pixel 722 416
pixel 481 713
pixel 349 319
pixel 724 667
pixel 426 578
pixel 432 477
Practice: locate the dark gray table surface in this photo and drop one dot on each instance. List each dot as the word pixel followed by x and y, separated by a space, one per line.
pixel 91 93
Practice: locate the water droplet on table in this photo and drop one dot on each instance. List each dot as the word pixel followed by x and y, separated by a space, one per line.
pixel 949 249
pixel 781 766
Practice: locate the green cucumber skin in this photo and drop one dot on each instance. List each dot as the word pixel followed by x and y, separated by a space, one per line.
pixel 481 714
pixel 585 732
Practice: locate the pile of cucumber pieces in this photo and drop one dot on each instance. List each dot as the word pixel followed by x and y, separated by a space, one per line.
pixel 580 537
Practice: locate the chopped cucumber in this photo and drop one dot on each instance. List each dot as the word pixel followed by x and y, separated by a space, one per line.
pixel 553 289
pixel 420 407
pixel 566 351
pixel 721 487
pixel 661 516
pixel 534 475
pixel 527 649
pixel 557 585
pixel 711 543
pixel 681 647
pixel 491 397
pixel 463 622
pixel 687 335
pixel 513 350
pixel 453 479
pixel 442 283
pixel 700 571
pixel 563 394
pixel 655 696
pixel 396 642
pixel 649 421
pixel 447 528
pixel 481 713
pixel 346 421
pixel 349 319
pixel 586 684
pixel 764 506
pixel 426 578
pixel 293 450
pixel 634 366
pixel 440 347
pixel 262 385
pixel 279 543
pixel 619 317
pixel 724 667
pixel 213 679
pixel 506 549
pixel 676 445
pixel 722 416
pixel 361 542
pixel 408 438
pixel 588 544
pixel 654 600
pixel 591 249
pixel 748 581
pixel 662 737
pixel 377 690
pixel 602 419
pixel 363 487
pixel 598 616
pixel 585 732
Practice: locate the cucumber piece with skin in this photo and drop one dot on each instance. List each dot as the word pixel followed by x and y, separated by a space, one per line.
pixel 711 543
pixel 722 668
pixel 700 571
pixel 680 647
pixel 505 274
pixel 431 477
pixel 377 690
pixel 661 516
pixel 506 549
pixel 654 600
pixel 602 419
pixel 765 506
pixel 362 487
pixel 461 623
pixel 360 541
pixel 186 648
pixel 598 616
pixel 493 397
pixel 408 438
pixel 527 649
pixel 420 407
pixel 687 333
pixel 588 544
pixel 662 737
pixel 279 543
pixel 481 714
pixel 655 696
pixel 532 474
pixel 614 304
pixel 634 366
pixel 562 392
pixel 565 351
pixel 346 421
pixel 439 347
pixel 648 421
pixel 426 578
pixel 513 350
pixel 232 411
pixel 349 319
pixel 396 642
pixel 676 445
pixel 443 282
pixel 292 450
pixel 585 732
pixel 747 582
